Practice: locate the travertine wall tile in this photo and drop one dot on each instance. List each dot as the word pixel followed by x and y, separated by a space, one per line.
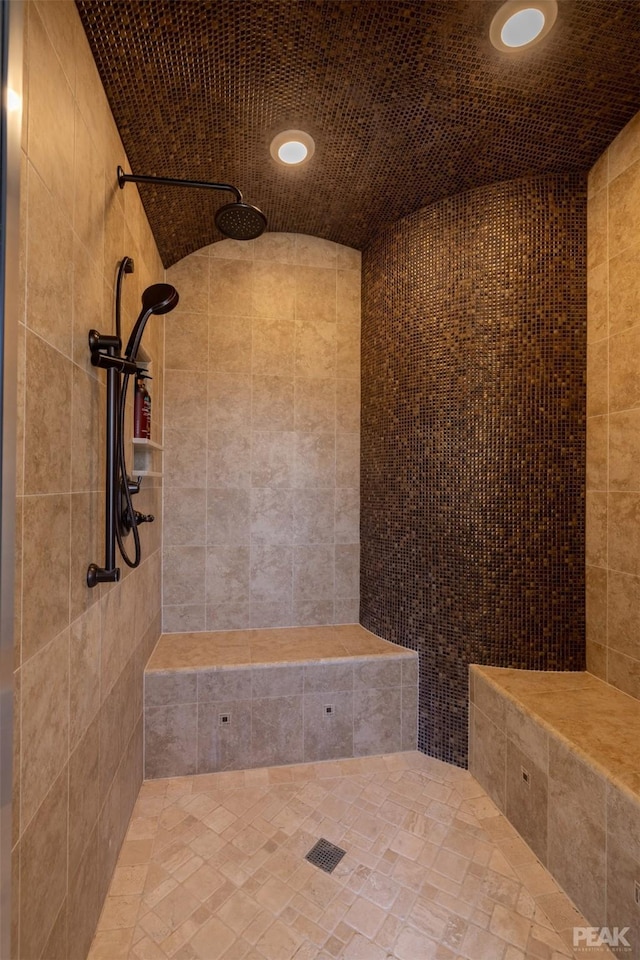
pixel 80 653
pixel 613 547
pixel 262 397
pixel 577 822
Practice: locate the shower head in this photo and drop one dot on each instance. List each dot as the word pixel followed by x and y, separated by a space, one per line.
pixel 240 221
pixel 159 298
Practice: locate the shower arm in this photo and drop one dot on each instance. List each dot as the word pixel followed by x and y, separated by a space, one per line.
pixel 171 182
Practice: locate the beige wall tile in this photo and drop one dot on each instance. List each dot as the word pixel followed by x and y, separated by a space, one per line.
pixel 183 618
pixel 307 612
pixel 272 403
pixel 314 252
pixel 348 460
pixel 185 512
pixel 315 405
pixel 624 447
pixel 42 892
pixel 596 529
pixel 488 754
pixel 183 574
pixel 528 736
pixel 229 460
pixel 227 574
pixel 612 651
pixel 623 532
pixel 315 348
pixel 328 736
pixel 598 303
pixel 44 722
pixel 50 265
pixel 598 175
pixel 88 197
pixel 228 401
pixel 313 516
pixel 624 209
pixel 598 452
pixel 84 673
pixel 74 236
pixel 85 797
pixel 190 277
pixel 183 401
pixel 230 344
pixel 348 286
pixel 45 606
pixel 596 604
pixel 170 740
pixel 597 378
pixel 276 731
pixel 51 110
pixel 272 346
pixel 576 830
pixel 314 461
pixel 185 457
pixel 271 515
pixel 527 801
pixel 272 459
pixel 269 375
pixel 624 389
pixel 623 600
pixel 231 287
pixel 228 516
pixel 47 419
pixel 348 406
pixel 278 247
pixel 624 672
pixel 625 149
pixel 596 659
pixel 274 290
pixel 313 572
pixel 186 341
pixel 624 289
pixel 377 721
pixel 224 746
pixel 271 572
pixel 597 220
pixel 347 570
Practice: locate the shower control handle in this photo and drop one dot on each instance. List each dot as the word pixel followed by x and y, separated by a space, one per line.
pixel 144 517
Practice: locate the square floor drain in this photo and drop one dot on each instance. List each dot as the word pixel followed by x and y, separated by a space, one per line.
pixel 325 855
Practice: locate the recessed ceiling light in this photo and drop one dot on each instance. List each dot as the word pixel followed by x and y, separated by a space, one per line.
pixel 522 23
pixel 292 147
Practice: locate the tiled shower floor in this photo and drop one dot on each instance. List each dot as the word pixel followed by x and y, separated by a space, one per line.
pixel 213 868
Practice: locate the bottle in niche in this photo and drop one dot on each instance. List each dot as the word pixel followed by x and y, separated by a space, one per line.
pixel 142 408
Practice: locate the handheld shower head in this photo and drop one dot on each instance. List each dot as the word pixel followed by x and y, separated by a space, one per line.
pixel 240 221
pixel 159 298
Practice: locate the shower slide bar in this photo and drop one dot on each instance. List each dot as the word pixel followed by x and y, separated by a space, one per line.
pixel 120 518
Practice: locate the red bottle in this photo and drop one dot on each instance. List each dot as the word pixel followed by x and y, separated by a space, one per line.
pixel 142 409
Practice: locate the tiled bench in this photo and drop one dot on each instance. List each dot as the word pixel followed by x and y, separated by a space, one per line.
pixel 237 699
pixel 559 753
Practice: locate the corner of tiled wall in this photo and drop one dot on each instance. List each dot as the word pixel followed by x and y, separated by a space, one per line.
pixel 613 414
pixel 262 420
pixel 80 653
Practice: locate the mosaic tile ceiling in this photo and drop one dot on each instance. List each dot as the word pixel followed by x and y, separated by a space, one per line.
pixel 407 101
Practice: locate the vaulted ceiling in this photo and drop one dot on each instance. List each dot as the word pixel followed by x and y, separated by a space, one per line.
pixel 407 101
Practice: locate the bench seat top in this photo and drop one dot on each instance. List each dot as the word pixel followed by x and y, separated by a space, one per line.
pixel 238 648
pixel 600 722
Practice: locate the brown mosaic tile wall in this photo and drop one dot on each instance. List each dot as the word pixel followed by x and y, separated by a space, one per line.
pixel 473 421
